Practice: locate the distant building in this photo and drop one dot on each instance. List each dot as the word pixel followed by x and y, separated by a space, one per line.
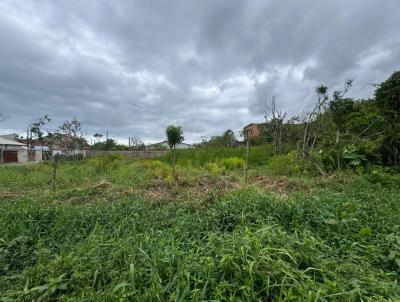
pixel 12 151
pixel 252 131
pixel 10 136
pixel 164 145
pixel 61 145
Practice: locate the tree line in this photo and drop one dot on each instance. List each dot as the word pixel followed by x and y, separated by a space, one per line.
pixel 340 131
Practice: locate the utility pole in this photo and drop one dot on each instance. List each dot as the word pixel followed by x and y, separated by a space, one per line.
pixel 27 137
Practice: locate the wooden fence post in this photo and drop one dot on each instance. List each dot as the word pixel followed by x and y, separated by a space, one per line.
pixel 55 161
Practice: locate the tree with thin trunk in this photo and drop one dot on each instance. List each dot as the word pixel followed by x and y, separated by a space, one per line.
pixel 136 143
pixel 70 131
pixel 37 128
pixel 275 119
pixel 98 136
pixel 314 122
pixel 174 137
pixel 246 162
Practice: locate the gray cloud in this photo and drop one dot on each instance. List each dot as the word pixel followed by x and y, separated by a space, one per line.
pixel 133 67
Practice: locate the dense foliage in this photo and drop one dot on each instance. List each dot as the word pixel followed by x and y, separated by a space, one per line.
pixel 226 139
pixel 339 129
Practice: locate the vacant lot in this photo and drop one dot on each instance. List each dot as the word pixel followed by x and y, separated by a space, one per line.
pixel 118 229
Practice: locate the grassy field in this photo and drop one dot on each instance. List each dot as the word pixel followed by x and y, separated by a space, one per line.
pixel 121 230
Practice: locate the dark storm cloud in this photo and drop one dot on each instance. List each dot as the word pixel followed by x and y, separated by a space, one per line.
pixel 133 67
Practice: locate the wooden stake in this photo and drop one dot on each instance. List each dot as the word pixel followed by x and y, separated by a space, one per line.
pixel 246 163
pixel 55 161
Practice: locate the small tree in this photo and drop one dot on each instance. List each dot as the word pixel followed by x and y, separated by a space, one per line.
pixel 98 136
pixel 37 128
pixel 275 121
pixel 70 130
pixel 316 124
pixel 174 137
pixel 227 139
pixel 136 143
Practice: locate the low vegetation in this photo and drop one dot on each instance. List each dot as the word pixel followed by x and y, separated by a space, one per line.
pixel 124 230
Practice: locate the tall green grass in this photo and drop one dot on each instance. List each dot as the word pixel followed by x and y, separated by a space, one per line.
pixel 334 245
pixel 36 177
pixel 258 155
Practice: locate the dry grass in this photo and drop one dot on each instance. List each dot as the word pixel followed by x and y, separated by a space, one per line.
pixel 280 185
pixel 200 190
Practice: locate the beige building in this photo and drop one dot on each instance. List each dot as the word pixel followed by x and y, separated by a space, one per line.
pixel 12 151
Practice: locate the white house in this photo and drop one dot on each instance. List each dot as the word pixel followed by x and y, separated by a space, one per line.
pixel 11 151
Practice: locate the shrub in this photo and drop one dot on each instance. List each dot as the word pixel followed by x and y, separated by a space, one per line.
pixel 214 169
pixel 381 177
pixel 68 157
pixel 105 162
pixel 232 163
pixel 284 164
pixel 158 169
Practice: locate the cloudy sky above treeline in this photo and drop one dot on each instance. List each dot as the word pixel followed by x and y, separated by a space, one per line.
pixel 134 67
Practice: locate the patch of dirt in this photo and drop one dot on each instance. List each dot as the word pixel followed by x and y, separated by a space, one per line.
pixel 280 185
pixel 203 190
pixel 101 191
pixel 6 196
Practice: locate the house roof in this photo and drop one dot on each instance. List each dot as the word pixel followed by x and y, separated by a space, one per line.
pixel 251 124
pixel 10 136
pixel 4 141
pixel 166 143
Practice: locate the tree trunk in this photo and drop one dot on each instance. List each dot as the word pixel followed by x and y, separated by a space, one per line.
pixel 337 150
pixel 280 138
pixel 246 163
pixel 174 163
pixel 55 161
pixel 314 162
pixel 275 138
pixel 305 137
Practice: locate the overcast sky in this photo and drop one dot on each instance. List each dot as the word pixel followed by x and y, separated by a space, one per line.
pixel 134 67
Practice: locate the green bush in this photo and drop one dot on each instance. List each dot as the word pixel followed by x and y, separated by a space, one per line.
pixel 70 157
pixel 106 162
pixel 214 169
pixel 285 164
pixel 378 175
pixel 231 163
pixel 158 169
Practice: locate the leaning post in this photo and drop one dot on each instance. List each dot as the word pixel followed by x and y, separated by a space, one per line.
pixel 55 162
pixel 247 135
